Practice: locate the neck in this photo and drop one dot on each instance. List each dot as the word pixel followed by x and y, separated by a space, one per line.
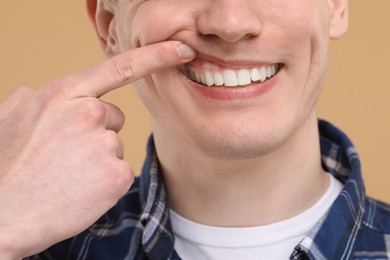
pixel 239 193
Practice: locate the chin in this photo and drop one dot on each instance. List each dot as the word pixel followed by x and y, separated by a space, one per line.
pixel 240 145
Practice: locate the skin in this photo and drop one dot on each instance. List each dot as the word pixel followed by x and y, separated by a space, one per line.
pixel 234 148
pixel 66 186
pixel 264 146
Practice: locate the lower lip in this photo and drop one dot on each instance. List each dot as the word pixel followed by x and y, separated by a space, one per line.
pixel 253 90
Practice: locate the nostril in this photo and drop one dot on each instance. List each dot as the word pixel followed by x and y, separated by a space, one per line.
pixel 230 21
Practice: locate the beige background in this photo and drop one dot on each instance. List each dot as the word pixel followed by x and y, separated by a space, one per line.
pixel 45 39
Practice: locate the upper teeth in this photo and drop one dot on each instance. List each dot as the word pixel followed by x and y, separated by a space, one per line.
pixel 233 78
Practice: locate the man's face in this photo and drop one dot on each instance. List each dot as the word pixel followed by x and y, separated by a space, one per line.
pixel 276 49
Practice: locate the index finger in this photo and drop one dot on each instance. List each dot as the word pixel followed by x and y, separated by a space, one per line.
pixel 130 66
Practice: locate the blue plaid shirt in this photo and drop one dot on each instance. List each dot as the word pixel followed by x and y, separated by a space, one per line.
pixel 138 227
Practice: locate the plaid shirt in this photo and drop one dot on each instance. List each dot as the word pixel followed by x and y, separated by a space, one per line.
pixel 138 227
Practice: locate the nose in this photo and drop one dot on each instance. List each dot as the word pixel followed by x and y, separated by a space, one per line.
pixel 230 20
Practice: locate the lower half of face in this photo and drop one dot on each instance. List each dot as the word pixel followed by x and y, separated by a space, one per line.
pixel 230 112
pixel 234 122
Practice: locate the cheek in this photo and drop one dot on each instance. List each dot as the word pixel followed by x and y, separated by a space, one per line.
pixel 147 96
pixel 302 18
pixel 156 21
pixel 157 95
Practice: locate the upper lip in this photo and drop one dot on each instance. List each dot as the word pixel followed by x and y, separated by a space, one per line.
pixel 231 56
pixel 232 63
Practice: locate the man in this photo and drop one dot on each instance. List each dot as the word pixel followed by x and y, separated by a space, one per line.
pixel 235 169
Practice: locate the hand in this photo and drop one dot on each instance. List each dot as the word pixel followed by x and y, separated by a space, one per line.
pixel 61 161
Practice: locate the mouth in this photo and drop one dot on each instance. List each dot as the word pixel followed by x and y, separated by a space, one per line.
pixel 212 75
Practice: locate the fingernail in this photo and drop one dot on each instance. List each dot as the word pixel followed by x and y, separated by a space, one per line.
pixel 185 52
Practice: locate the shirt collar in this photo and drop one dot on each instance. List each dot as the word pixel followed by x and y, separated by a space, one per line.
pixel 332 236
pixel 157 237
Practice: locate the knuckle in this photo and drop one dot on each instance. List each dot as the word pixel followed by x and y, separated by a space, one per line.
pixel 52 97
pixel 121 176
pixel 25 90
pixel 111 139
pixel 58 88
pixel 118 117
pixel 123 69
pixel 92 110
pixel 18 95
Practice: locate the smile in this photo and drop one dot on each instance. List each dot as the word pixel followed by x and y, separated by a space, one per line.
pixel 208 75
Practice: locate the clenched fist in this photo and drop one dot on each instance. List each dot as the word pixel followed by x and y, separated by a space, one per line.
pixel 61 161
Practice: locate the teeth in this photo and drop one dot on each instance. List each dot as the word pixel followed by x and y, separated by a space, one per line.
pixel 230 78
pixel 198 78
pixel 273 70
pixel 268 71
pixel 244 77
pixel 203 79
pixel 263 75
pixel 255 74
pixel 218 79
pixel 234 78
pixel 209 79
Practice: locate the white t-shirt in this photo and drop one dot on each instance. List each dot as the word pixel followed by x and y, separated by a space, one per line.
pixel 274 241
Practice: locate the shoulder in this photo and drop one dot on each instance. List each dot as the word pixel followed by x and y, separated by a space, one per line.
pixel 128 206
pixel 373 239
pixel 377 216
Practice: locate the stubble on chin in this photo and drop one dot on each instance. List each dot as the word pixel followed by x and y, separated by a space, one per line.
pixel 239 145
